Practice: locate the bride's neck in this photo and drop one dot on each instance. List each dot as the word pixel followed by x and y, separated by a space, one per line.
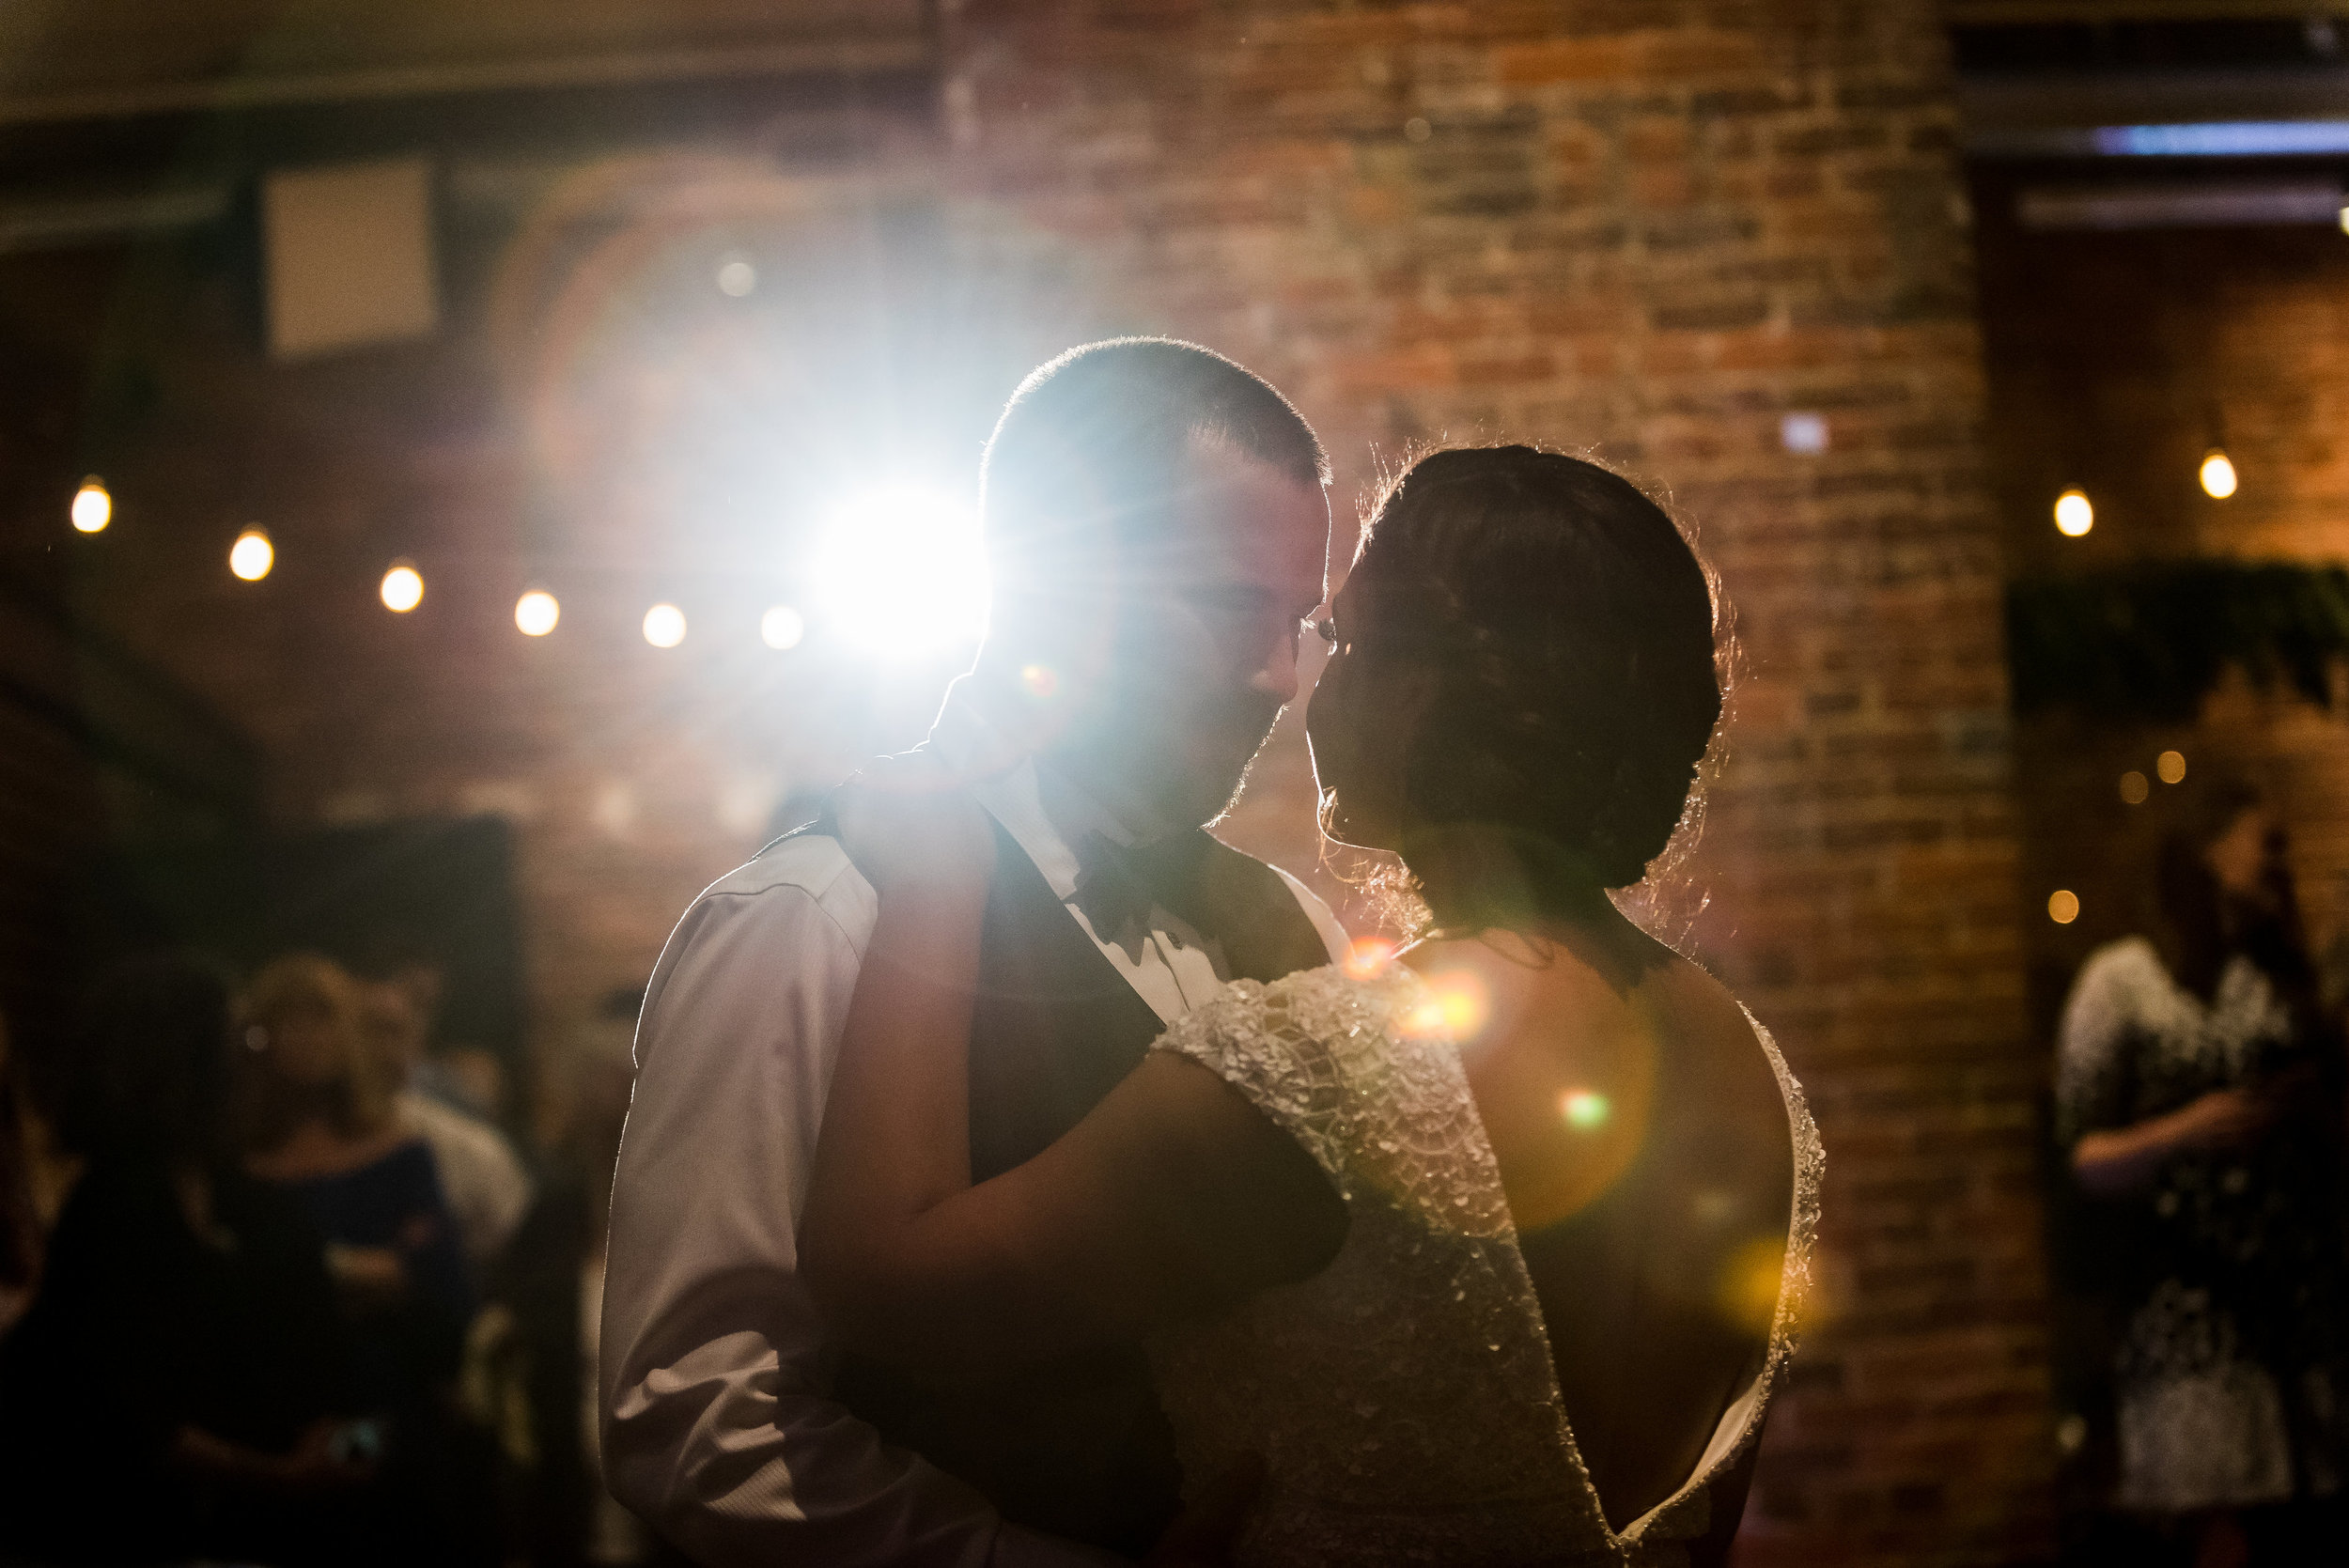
pixel 1478 878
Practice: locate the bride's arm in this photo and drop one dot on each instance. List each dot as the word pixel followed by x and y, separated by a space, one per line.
pixel 1174 1196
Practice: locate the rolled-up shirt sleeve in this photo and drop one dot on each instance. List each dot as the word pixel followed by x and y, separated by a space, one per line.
pixel 717 1422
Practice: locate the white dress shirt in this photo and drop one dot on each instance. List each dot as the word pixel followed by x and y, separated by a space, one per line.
pixel 718 1425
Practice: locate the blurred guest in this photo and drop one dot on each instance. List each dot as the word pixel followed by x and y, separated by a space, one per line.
pixel 174 1389
pixel 324 1123
pixel 487 1188
pixel 553 1286
pixel 2199 1092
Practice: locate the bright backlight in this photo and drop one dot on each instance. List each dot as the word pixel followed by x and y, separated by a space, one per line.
pixel 901 571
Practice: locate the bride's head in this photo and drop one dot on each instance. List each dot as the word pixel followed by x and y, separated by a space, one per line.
pixel 1521 683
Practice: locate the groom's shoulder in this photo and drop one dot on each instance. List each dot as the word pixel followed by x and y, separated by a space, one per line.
pixel 802 865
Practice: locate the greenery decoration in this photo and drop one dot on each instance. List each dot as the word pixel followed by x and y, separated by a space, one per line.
pixel 2149 642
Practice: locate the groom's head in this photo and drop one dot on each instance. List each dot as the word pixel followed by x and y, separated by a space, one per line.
pixel 1155 527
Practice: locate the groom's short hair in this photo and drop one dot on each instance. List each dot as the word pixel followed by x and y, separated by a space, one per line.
pixel 1090 454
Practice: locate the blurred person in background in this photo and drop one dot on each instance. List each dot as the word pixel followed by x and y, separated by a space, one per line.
pixel 552 1285
pixel 178 1387
pixel 324 1123
pixel 2200 1094
pixel 481 1176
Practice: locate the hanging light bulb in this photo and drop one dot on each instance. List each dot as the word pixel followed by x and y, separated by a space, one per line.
pixel 2218 475
pixel 93 507
pixel 403 588
pixel 535 613
pixel 252 555
pixel 664 626
pixel 2074 516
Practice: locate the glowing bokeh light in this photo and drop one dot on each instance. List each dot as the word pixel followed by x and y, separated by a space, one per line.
pixel 535 613
pixel 2171 765
pixel 901 571
pixel 2134 788
pixel 2216 474
pixel 403 588
pixel 93 507
pixel 736 277
pixel 1366 957
pixel 781 627
pixel 2074 516
pixel 2344 220
pixel 2063 905
pixel 1041 682
pixel 664 626
pixel 252 555
pixel 1585 1109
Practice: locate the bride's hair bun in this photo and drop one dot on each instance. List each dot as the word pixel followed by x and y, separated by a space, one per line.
pixel 1569 627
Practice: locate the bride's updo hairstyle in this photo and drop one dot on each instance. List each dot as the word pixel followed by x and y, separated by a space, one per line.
pixel 1566 628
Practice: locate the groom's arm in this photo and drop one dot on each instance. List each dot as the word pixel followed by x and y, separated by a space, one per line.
pixel 718 1426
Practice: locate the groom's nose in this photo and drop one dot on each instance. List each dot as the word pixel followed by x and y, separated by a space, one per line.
pixel 1276 670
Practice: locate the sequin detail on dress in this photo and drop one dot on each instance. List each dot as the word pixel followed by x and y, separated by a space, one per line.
pixel 1404 1399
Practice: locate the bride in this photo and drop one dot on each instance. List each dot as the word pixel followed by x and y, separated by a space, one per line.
pixel 1486 1250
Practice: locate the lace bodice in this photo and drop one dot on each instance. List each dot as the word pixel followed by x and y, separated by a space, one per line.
pixel 1404 1399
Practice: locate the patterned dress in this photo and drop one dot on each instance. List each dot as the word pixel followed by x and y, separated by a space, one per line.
pixel 2227 1373
pixel 1403 1400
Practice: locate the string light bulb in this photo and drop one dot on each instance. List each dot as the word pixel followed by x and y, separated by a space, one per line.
pixel 2074 516
pixel 2218 475
pixel 403 588
pixel 535 613
pixel 664 626
pixel 782 627
pixel 252 555
pixel 93 507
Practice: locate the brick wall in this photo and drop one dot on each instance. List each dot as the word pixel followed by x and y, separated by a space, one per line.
pixel 1652 230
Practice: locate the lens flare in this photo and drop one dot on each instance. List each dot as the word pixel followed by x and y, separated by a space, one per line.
pixel 403 589
pixel 664 626
pixel 1585 1109
pixel 1367 957
pixel 252 555
pixel 1458 1005
pixel 2217 475
pixel 902 573
pixel 535 613
pixel 2074 516
pixel 1041 682
pixel 93 507
pixel 1752 1282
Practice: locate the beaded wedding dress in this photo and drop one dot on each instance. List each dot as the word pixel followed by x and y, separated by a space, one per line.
pixel 1404 1399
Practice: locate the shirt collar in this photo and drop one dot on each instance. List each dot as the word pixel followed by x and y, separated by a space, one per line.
pixel 984 747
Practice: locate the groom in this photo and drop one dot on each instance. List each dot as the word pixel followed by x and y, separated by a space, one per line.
pixel 1155 527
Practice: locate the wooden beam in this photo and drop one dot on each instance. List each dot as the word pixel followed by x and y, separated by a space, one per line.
pixel 2054 13
pixel 811 57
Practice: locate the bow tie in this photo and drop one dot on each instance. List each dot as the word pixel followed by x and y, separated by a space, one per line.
pixel 1117 884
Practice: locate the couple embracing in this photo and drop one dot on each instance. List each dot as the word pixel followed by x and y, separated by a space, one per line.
pixel 1017 1176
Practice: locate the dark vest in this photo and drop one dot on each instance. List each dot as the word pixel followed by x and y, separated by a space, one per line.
pixel 1076 1447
